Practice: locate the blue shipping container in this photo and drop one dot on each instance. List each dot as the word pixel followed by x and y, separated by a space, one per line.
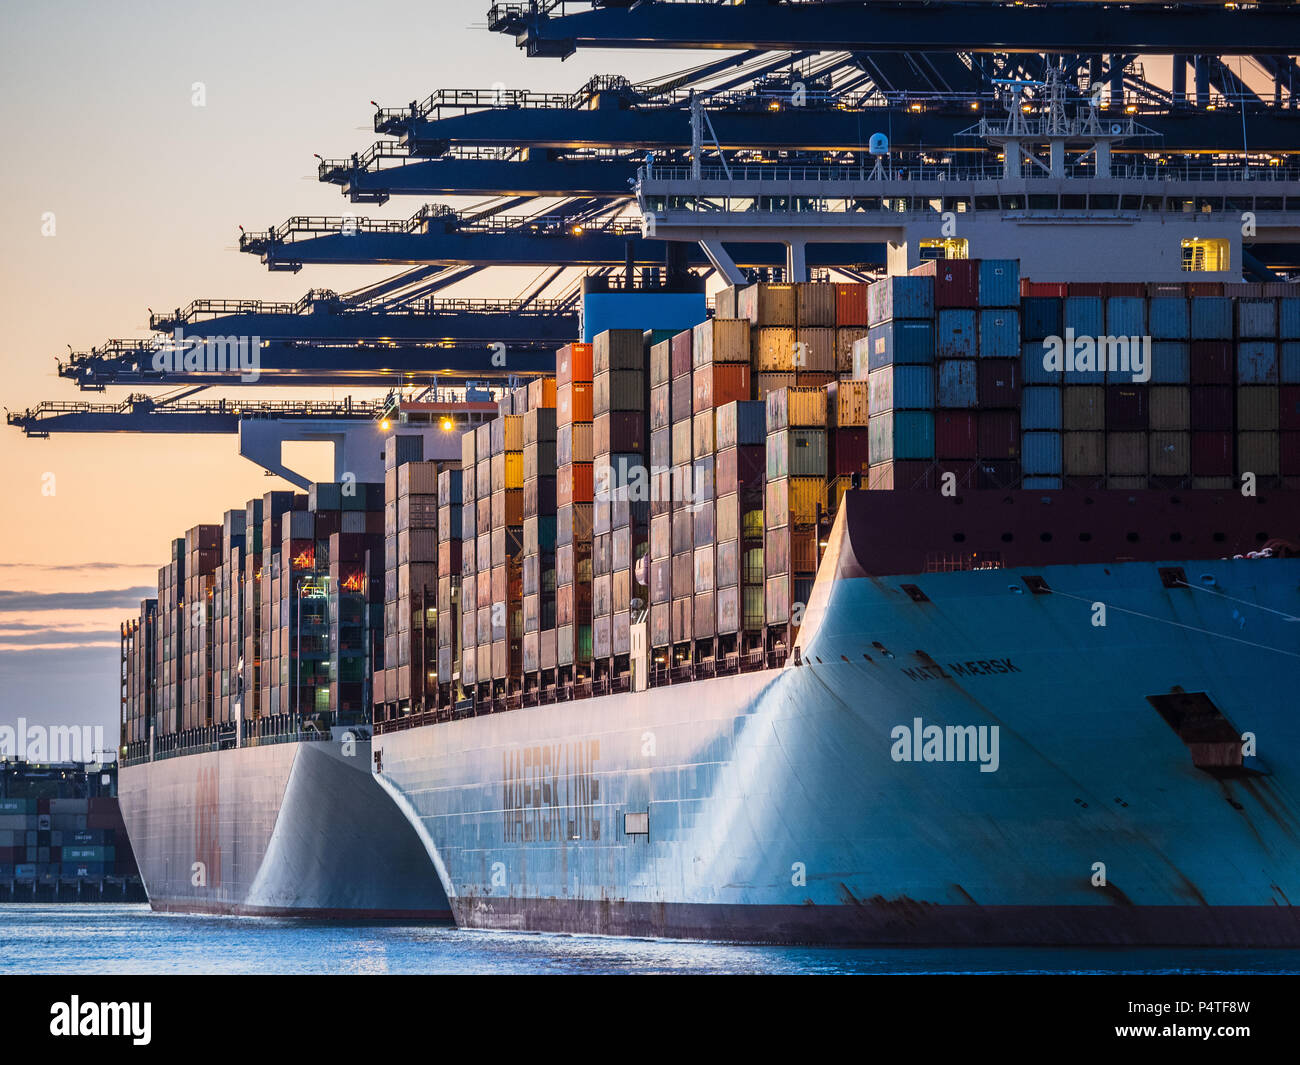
pixel 1084 315
pixel 1169 319
pixel 999 283
pixel 1170 362
pixel 1126 316
pixel 957 338
pixel 900 341
pixel 1290 361
pixel 1257 362
pixel 1042 317
pixel 1033 372
pixel 901 387
pixel 904 434
pixel 957 383
pixel 900 297
pixel 1288 319
pixel 1042 482
pixel 1040 453
pixel 1040 407
pixel 999 334
pixel 1211 318
pixel 1257 318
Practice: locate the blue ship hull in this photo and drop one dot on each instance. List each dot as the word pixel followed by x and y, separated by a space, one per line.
pixel 783 806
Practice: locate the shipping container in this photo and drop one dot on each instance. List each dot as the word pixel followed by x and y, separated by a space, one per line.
pixel 999 334
pixel 1257 318
pixel 999 434
pixel 999 282
pixel 1085 315
pixel 901 435
pixel 1211 318
pixel 955 435
pixel 1040 318
pixel 899 297
pixel 1040 453
pixel 719 340
pixel 796 408
pixel 815 304
pixel 1212 362
pixel 956 281
pixel 845 338
pixel 851 304
pixel 773 349
pixel 1259 453
pixel 1169 319
pixel 720 383
pixel 1212 453
pixel 1257 408
pixel 1040 408
pixel 1084 454
pixel 767 304
pixel 895 342
pixel 1033 366
pixel 999 383
pixel 901 387
pixel 741 423
pixel 956 335
pixel 796 453
pixel 957 385
pixel 1170 408
pixel 1257 362
pixel 1170 454
pixel 847 404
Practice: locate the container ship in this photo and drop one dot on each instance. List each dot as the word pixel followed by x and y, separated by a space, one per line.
pixel 955 608
pixel 246 741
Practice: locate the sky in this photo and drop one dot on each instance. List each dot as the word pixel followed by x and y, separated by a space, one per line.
pixel 118 194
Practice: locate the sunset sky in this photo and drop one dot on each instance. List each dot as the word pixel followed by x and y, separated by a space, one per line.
pixel 147 193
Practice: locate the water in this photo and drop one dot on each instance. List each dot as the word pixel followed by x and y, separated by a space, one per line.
pixel 109 939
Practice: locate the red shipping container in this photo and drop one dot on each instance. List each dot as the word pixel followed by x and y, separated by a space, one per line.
pixel 999 434
pixel 1136 289
pixel 573 363
pixel 739 467
pixel 573 403
pixel 955 435
pixel 681 353
pixel 1087 288
pixel 956 281
pixel 1211 408
pixel 1290 455
pixel 1126 407
pixel 1212 362
pixel 998 383
pixel 1204 288
pixel 1212 454
pixel 850 304
pixel 1289 408
pixel 574 484
pixel 1043 289
pixel 720 383
pixel 850 453
pixel 618 431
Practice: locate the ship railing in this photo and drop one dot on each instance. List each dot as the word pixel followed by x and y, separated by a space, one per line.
pixel 651 175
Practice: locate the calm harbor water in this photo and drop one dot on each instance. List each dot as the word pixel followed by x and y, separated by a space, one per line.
pixel 132 939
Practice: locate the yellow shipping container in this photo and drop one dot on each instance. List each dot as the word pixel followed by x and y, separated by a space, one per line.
pixel 806 494
pixel 1171 408
pixel 514 468
pixel 816 349
pixel 845 337
pixel 1258 453
pixel 815 303
pixel 720 340
pixel 846 403
pixel 806 407
pixel 703 434
pixel 1126 454
pixel 765 304
pixel 514 430
pixel 1084 454
pixel 1257 407
pixel 1170 454
pixel 773 349
pixel 1083 407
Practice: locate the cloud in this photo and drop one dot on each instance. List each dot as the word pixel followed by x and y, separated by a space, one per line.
pixel 76 567
pixel 120 599
pixel 60 637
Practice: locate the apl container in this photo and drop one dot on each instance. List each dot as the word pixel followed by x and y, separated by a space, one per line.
pixel 999 282
pixel 1257 362
pixel 898 341
pixel 1041 317
pixel 1257 318
pixel 1126 316
pixel 957 335
pixel 1040 408
pixel 1168 319
pixel 900 387
pixel 957 386
pixel 1040 453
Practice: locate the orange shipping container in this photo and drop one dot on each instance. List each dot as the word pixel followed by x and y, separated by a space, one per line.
pixel 573 363
pixel 573 484
pixel 846 404
pixel 573 403
pixel 720 383
pixel 720 340
pixel 541 393
pixel 851 304
pixel 765 304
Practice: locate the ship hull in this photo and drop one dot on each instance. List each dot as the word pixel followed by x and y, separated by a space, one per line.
pixel 282 830
pixel 779 807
